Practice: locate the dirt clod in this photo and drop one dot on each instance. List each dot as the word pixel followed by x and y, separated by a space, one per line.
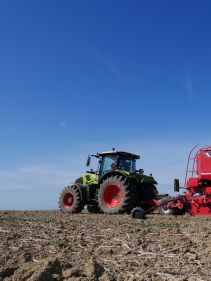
pixel 93 268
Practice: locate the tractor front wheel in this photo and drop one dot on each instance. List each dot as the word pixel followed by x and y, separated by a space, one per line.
pixel 71 199
pixel 115 195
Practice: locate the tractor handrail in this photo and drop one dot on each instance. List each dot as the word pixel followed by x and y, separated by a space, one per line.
pixel 188 163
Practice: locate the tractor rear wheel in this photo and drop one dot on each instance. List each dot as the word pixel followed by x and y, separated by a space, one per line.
pixel 115 195
pixel 71 199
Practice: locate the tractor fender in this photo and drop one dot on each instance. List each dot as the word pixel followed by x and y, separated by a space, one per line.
pixel 113 173
pixel 145 179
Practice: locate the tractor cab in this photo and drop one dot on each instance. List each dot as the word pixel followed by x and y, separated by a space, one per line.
pixel 117 160
pixel 114 160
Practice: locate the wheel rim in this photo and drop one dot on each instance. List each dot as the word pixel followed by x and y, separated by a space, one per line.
pixel 112 196
pixel 165 209
pixel 68 200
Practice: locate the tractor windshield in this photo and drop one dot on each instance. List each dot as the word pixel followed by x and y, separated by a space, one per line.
pixel 109 163
pixel 128 165
pixel 113 162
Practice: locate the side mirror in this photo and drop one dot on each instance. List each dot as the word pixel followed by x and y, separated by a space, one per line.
pixel 88 161
pixel 176 185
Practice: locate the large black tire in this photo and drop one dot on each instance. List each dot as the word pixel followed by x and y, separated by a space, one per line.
pixel 71 199
pixel 115 195
pixel 138 213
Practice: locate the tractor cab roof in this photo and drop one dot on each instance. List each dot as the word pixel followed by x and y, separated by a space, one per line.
pixel 120 153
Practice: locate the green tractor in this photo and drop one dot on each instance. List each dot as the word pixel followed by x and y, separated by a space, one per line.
pixel 116 186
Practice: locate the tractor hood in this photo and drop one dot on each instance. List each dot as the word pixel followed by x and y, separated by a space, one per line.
pixel 88 179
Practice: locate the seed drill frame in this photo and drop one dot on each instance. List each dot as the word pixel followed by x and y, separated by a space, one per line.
pixel 196 199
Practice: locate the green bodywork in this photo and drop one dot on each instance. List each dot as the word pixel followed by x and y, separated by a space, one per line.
pixel 93 179
pixel 119 159
pixel 143 178
pixel 88 179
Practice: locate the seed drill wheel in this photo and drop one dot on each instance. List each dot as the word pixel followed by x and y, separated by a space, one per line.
pixel 164 210
pixel 115 195
pixel 71 199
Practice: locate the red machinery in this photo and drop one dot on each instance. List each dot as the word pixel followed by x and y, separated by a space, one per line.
pixel 197 197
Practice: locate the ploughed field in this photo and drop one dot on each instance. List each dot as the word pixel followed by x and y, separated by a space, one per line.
pixel 42 246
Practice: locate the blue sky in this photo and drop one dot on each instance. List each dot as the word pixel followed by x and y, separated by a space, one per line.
pixel 77 77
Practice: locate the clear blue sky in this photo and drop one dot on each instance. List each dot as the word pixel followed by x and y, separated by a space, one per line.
pixel 77 77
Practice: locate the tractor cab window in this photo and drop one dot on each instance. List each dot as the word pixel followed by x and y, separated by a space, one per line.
pixel 109 163
pixel 128 165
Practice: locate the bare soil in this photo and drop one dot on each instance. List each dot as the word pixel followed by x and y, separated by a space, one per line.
pixel 44 246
